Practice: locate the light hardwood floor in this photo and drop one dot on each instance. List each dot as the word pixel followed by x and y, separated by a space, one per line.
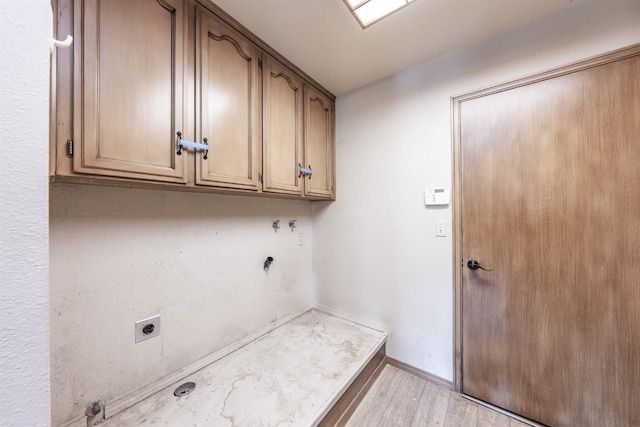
pixel 398 399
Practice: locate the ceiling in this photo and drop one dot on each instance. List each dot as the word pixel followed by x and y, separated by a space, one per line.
pixel 322 38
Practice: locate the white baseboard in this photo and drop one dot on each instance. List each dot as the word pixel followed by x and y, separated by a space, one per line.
pixel 355 319
pixel 124 402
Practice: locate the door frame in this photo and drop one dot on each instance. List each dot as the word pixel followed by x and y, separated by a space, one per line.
pixel 456 103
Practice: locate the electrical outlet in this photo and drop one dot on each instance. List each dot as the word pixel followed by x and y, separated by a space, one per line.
pixel 147 328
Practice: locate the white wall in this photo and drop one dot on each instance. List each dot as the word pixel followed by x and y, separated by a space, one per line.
pixel 24 124
pixel 119 255
pixel 375 253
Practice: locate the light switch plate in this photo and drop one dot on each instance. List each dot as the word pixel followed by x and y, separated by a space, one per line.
pixel 147 328
pixel 441 228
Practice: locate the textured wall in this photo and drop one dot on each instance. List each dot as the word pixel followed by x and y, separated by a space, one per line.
pixel 24 121
pixel 375 252
pixel 120 255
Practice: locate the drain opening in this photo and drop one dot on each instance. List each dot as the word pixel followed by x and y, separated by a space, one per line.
pixel 184 389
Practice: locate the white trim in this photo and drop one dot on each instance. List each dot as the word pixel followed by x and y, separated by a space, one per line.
pixel 351 318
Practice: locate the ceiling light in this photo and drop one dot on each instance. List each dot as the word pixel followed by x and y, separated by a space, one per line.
pixel 368 12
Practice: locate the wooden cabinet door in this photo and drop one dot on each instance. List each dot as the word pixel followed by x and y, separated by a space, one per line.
pixel 228 86
pixel 282 134
pixel 318 143
pixel 128 88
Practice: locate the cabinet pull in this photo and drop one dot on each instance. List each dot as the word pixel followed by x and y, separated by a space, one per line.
pixel 196 145
pixel 305 171
pixel 69 147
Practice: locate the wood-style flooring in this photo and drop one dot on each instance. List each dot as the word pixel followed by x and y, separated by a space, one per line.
pixel 400 399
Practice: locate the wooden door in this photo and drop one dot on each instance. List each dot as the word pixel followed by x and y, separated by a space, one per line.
pixel 282 137
pixel 229 106
pixel 550 201
pixel 129 61
pixel 318 143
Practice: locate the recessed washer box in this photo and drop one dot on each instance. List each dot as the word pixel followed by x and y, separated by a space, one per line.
pixel 147 328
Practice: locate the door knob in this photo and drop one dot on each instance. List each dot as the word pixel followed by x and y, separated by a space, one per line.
pixel 474 265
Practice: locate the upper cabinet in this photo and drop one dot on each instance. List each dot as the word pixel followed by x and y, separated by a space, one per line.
pixel 319 137
pixel 228 105
pixel 282 128
pixel 298 135
pixel 145 75
pixel 128 104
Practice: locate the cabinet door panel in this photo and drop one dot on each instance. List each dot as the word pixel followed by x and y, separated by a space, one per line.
pixel 282 129
pixel 318 145
pixel 229 89
pixel 128 101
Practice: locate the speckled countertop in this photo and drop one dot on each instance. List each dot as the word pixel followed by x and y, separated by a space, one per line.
pixel 289 377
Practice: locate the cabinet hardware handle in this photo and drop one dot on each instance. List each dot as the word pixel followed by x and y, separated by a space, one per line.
pixel 196 145
pixel 206 151
pixel 179 152
pixel 304 171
